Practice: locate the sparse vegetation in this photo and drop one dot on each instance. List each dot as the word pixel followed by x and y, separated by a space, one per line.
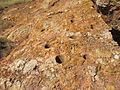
pixel 5 47
pixel 7 3
pixel 4 25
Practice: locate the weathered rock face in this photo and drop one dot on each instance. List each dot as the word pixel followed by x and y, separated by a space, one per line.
pixel 102 3
pixel 62 45
pixel 110 11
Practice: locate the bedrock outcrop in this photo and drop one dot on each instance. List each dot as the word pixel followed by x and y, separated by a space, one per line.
pixel 59 45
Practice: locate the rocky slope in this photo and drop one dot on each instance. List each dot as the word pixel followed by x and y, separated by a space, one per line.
pixel 110 11
pixel 58 45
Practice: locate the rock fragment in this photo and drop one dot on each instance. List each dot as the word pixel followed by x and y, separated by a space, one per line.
pixel 116 56
pixel 102 3
pixel 18 65
pixel 92 70
pixel 29 66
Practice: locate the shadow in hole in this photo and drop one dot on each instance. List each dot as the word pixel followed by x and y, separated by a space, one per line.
pixel 115 35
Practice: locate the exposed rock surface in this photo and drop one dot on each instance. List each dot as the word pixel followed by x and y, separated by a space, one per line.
pixel 61 45
pixel 110 11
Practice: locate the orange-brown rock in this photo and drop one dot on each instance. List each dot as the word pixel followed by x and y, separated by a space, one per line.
pixel 62 45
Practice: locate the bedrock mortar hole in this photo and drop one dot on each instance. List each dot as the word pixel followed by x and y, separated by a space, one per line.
pixel 72 37
pixel 42 30
pixel 58 59
pixel 85 56
pixel 47 46
pixel 91 26
pixel 71 21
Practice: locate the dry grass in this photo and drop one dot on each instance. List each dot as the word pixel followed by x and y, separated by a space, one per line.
pixel 6 3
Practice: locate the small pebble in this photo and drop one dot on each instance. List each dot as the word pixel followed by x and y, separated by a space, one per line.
pixel 116 56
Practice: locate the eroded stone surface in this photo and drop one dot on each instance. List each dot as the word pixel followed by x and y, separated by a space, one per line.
pixel 80 51
pixel 29 66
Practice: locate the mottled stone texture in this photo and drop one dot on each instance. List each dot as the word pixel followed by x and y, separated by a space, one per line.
pixel 103 3
pixel 110 11
pixel 61 45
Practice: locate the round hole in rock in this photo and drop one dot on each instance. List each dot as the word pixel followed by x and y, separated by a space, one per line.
pixel 91 26
pixel 85 56
pixel 71 21
pixel 35 68
pixel 47 46
pixel 42 30
pixel 72 37
pixel 93 6
pixel 58 59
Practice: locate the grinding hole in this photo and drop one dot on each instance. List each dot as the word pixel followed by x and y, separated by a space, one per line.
pixel 93 6
pixel 10 79
pixel 71 21
pixel 91 26
pixel 42 30
pixel 47 46
pixel 35 68
pixel 72 37
pixel 58 59
pixel 85 56
pixel 69 67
